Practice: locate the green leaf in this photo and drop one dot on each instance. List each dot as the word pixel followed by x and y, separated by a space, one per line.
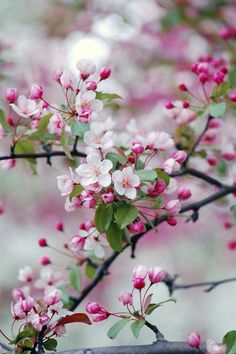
pixel 103 217
pixel 104 96
pixel 43 123
pixel 28 343
pixel 25 146
pixel 90 270
pixel 217 110
pixel 222 167
pixel 220 90
pixel 64 142
pixel 74 276
pixel 230 341
pixel 158 202
pixel 136 327
pixel 65 296
pixel 76 191
pixel 153 307
pixel 3 121
pixel 146 175
pixel 117 327
pixel 125 214
pixel 50 344
pixel 79 128
pixel 114 237
pixel 233 210
pixel 162 175
pixel 232 76
pixel 114 157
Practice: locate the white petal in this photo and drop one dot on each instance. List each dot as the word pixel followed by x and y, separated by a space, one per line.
pixel 106 166
pixel 99 251
pixel 93 159
pixel 104 179
pixel 131 193
pixel 119 188
pixel 97 105
pixel 117 176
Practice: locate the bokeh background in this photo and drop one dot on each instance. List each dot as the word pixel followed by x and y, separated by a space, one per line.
pixel 149 45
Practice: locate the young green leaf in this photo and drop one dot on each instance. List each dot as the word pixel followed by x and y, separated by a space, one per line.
pixel 114 237
pixel 64 143
pixel 146 175
pixel 217 110
pixel 25 146
pixel 230 341
pixel 50 344
pixel 153 307
pixel 103 217
pixel 125 214
pixel 3 122
pixel 117 327
pixel 136 327
pixel 79 128
pixel 90 270
pixel 115 157
pixel 75 277
pixel 76 191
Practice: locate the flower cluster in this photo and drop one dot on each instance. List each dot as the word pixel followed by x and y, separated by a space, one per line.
pixel 194 341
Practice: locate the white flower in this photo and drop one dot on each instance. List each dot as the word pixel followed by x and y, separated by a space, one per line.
pixel 48 277
pixel 25 274
pixel 215 348
pixel 159 140
pixel 125 182
pixel 25 107
pixel 94 242
pixel 95 171
pixel 97 140
pixel 65 183
pixel 87 106
pixel 171 165
pixel 180 114
pixel 66 79
pixel 86 68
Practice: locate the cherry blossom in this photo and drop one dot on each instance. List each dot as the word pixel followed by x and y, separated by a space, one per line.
pixel 25 107
pixel 56 124
pixel 25 274
pixel 99 141
pixel 87 106
pixel 125 182
pixel 65 183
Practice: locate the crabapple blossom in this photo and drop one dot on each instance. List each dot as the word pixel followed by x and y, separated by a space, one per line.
pixel 94 241
pixel 139 275
pixel 87 106
pixel 215 348
pixel 173 206
pixel 25 107
pixel 108 196
pixel 65 183
pixel 17 294
pixel 86 68
pixel 194 340
pixel 125 182
pixel 101 315
pixel 7 164
pixel 11 95
pixel 93 307
pixel 38 320
pixel 66 79
pixel 159 141
pixel 126 298
pixel 77 244
pixel 136 227
pixel 36 92
pixel 171 165
pixel 137 148
pixel 105 73
pixel 156 274
pixel 52 296
pixel 95 171
pixel 171 221
pixel 180 156
pixel 56 124
pixel 25 274
pixel 99 141
pixel 42 242
pixel 48 277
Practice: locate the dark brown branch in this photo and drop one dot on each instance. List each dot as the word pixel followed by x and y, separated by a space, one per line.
pixel 160 347
pixel 41 155
pixel 199 175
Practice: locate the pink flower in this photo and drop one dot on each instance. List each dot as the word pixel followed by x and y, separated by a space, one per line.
pixel 56 124
pixel 17 311
pixel 66 79
pixel 139 275
pixel 98 140
pixel 184 193
pixel 86 68
pixel 93 307
pixel 73 204
pixel 65 183
pixel 7 164
pixel 25 107
pixel 87 106
pixel 105 73
pixel 126 298
pixel 59 226
pixel 95 171
pixel 101 316
pixel 52 296
pixel 194 340
pixel 17 294
pixel 77 244
pixel 94 242
pixel 137 148
pixel 38 320
pixel 171 165
pixel 215 348
pixel 91 85
pixel 36 92
pixel 125 182
pixel 25 274
pixel 156 274
pixel 180 156
pixel 173 206
pixel 11 95
pixel 136 227
pixel 108 196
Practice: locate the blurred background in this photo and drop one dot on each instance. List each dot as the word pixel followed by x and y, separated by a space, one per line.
pixel 149 45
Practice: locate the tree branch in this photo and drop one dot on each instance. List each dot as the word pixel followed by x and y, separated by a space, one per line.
pixel 199 175
pixel 41 155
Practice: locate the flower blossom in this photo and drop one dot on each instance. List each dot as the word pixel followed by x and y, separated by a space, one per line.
pixel 158 140
pixel 99 141
pixel 56 124
pixel 94 241
pixel 87 106
pixel 215 348
pixel 25 274
pixel 65 183
pixel 25 107
pixel 86 68
pixel 125 182
pixel 95 171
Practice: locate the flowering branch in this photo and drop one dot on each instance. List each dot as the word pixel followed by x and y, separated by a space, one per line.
pixel 39 155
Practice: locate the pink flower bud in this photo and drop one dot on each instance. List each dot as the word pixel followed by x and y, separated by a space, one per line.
pixel 229 156
pixel 136 227
pixel 1 208
pixel 194 68
pixel 131 159
pixel 203 77
pixel 231 245
pixel 91 85
pixel 7 164
pixel 171 165
pixel 108 197
pixel 173 206
pixel 218 77
pixel 57 75
pixel 59 226
pixel 44 260
pixel 10 121
pixel 156 274
pixel 160 186
pixel 183 87
pixel 169 105
pixel 11 95
pixel 36 92
pixel 194 340
pixel 213 161
pixel 101 316
pixel 42 242
pixel 139 274
pixel 186 104
pixel 126 298
pixel 77 243
pixel 228 225
pixel 184 193
pixel 179 156
pixel 137 148
pixel 93 308
pixel 215 348
pixel 215 123
pixel 17 294
pixel 138 283
pixel 232 96
pixel 171 221
pixel 105 73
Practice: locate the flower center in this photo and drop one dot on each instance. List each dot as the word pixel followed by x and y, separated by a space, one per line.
pixel 127 183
